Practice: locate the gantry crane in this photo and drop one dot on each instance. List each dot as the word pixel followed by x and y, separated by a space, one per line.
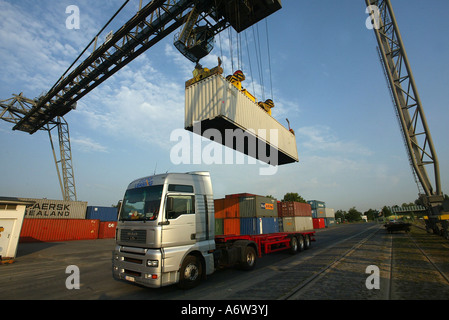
pixel 201 20
pixel 410 113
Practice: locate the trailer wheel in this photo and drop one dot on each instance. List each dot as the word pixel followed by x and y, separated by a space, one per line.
pixel 306 241
pixel 190 273
pixel 249 259
pixel 294 245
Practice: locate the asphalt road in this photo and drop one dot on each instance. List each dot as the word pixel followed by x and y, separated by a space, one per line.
pixel 40 272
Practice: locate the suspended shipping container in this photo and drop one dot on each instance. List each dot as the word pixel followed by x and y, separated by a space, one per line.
pixel 238 122
pixel 258 206
pixel 49 230
pixel 294 224
pixel 55 209
pixel 294 209
pixel 102 213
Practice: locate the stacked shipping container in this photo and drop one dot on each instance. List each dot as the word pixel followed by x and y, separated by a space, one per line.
pixel 296 216
pixel 251 214
pixel 320 211
pixel 245 214
pixel 55 220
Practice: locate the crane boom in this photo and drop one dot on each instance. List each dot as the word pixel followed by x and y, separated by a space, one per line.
pixel 408 104
pixel 149 25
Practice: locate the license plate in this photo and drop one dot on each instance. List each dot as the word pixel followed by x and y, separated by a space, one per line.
pixel 132 279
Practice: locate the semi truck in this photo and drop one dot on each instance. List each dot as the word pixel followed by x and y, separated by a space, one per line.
pixel 166 234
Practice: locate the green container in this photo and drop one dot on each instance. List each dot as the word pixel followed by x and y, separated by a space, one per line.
pixel 258 207
pixel 219 227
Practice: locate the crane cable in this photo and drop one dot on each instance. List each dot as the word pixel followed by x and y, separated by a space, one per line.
pixel 269 56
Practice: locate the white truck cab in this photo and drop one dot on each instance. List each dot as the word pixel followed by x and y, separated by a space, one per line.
pixel 165 232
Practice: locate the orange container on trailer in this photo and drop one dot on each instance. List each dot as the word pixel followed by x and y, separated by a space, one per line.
pixel 232 208
pixel 219 209
pixel 231 226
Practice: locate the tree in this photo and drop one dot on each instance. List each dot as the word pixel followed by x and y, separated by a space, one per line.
pixel 293 196
pixel 372 214
pixel 386 212
pixel 340 214
pixel 353 215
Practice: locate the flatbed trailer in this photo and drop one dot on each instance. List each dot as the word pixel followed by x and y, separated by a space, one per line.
pixel 273 242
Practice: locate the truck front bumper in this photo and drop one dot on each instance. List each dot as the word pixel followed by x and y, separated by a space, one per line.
pixel 138 265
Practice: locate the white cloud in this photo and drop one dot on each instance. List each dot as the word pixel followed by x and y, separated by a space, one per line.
pixel 322 138
pixel 141 104
pixel 87 145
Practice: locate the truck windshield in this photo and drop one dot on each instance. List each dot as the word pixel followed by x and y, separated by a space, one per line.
pixel 141 203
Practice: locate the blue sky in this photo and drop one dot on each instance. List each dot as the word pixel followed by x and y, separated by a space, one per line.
pixel 326 78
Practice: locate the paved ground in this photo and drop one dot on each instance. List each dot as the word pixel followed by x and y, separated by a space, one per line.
pixel 318 273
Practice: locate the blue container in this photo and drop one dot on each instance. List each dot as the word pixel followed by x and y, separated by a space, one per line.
pixel 270 225
pixel 101 213
pixel 251 226
pixel 315 204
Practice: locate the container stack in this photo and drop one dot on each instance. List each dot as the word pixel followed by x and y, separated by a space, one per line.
pixel 108 220
pixel 55 220
pixel 296 216
pixel 245 214
pixel 323 217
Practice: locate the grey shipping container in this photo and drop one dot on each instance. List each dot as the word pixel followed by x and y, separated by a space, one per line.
pixel 295 224
pixel 327 213
pixel 258 206
pixel 55 209
pixel 104 214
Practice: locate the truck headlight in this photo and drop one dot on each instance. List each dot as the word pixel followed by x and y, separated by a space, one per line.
pixel 153 263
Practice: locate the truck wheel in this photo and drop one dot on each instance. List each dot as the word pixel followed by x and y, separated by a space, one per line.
pixel 294 245
pixel 249 259
pixel 190 273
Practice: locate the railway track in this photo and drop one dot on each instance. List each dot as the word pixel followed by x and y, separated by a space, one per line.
pixel 411 266
pixel 419 266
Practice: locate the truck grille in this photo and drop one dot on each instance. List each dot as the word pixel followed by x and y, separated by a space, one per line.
pixel 139 236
